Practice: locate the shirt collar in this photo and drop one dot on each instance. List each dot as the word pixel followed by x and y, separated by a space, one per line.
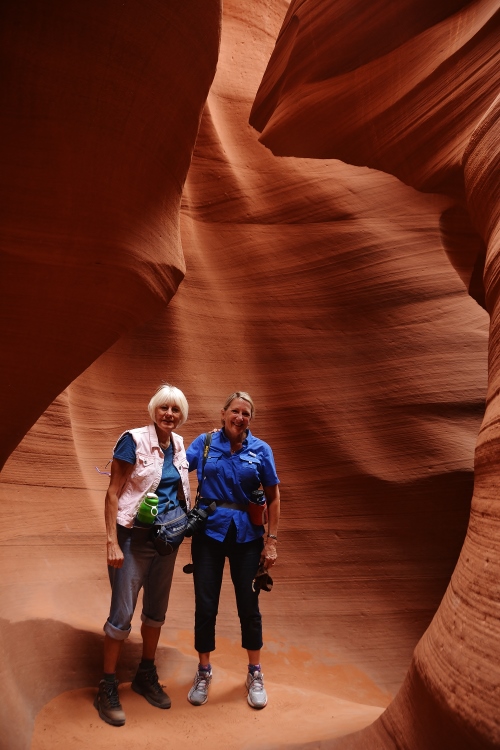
pixel 174 440
pixel 153 436
pixel 225 438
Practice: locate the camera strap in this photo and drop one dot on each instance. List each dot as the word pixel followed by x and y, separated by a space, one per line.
pixel 206 448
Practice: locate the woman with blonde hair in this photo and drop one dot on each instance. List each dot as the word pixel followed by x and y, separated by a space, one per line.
pixel 237 464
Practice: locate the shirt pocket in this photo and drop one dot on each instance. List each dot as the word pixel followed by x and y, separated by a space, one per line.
pixel 248 468
pixel 143 464
pixel 212 465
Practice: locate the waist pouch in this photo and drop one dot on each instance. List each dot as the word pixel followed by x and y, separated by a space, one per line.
pixel 168 530
pixel 258 512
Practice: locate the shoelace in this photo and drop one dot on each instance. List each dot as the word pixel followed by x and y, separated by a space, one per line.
pixel 112 694
pixel 152 678
pixel 257 682
pixel 201 680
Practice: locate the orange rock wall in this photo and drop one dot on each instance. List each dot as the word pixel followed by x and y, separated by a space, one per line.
pixel 337 295
pixel 422 107
pixel 97 136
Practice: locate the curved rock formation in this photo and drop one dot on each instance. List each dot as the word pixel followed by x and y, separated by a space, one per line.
pixel 97 135
pixel 398 89
pixel 336 295
pixel 100 107
pixel 421 108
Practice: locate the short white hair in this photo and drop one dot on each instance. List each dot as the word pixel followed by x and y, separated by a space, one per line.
pixel 168 394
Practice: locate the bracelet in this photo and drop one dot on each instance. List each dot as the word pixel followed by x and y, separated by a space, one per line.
pixel 272 536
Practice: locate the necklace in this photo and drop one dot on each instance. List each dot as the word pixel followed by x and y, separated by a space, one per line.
pixel 164 446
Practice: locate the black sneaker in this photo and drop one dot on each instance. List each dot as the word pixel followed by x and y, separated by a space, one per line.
pixel 146 683
pixel 108 703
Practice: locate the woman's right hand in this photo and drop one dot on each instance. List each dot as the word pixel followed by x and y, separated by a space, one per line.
pixel 120 472
pixel 114 555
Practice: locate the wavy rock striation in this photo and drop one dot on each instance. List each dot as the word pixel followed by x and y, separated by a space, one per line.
pixel 96 138
pixel 94 156
pixel 418 103
pixel 332 292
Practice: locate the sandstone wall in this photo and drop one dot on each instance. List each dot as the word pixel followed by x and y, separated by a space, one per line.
pixel 418 103
pixel 100 107
pixel 333 291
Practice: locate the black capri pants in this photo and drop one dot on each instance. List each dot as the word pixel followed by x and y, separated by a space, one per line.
pixel 209 556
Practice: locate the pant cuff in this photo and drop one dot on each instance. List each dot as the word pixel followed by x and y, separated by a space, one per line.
pixel 116 633
pixel 152 623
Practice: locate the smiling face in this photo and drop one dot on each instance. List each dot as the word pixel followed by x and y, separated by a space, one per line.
pixel 167 417
pixel 236 418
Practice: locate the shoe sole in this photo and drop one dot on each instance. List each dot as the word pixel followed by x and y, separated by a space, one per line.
pixel 197 704
pixel 113 723
pixel 149 700
pixel 253 704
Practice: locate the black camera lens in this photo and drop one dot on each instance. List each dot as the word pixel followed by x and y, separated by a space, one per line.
pixel 197 518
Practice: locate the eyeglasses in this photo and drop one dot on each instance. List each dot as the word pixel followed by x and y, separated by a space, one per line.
pixel 107 473
pixel 262 580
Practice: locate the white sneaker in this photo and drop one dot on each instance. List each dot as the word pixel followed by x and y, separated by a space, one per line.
pixel 257 696
pixel 198 695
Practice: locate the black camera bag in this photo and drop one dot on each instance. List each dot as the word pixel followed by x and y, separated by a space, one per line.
pixel 169 530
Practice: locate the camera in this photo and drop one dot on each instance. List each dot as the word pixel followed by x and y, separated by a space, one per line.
pixel 197 518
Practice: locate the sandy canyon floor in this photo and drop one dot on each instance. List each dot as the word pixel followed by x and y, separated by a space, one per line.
pixel 304 706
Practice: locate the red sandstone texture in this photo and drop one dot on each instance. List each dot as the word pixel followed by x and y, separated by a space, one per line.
pixel 423 106
pixel 337 295
pixel 97 136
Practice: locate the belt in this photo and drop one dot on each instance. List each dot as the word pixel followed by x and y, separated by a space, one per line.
pixel 225 504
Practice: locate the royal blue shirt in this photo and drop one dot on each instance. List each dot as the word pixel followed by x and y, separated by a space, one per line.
pixel 232 478
pixel 167 489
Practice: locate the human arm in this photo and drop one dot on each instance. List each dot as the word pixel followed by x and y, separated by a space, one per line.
pixel 194 451
pixel 120 473
pixel 269 553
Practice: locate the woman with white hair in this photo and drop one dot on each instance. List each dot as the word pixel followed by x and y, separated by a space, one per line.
pixel 145 459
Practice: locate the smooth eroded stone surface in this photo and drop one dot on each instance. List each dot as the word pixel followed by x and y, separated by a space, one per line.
pixel 99 109
pixel 418 102
pixel 397 87
pixel 337 295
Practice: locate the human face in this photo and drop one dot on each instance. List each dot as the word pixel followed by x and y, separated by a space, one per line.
pixel 167 417
pixel 236 418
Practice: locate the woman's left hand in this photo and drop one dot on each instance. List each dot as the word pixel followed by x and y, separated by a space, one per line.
pixel 269 554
